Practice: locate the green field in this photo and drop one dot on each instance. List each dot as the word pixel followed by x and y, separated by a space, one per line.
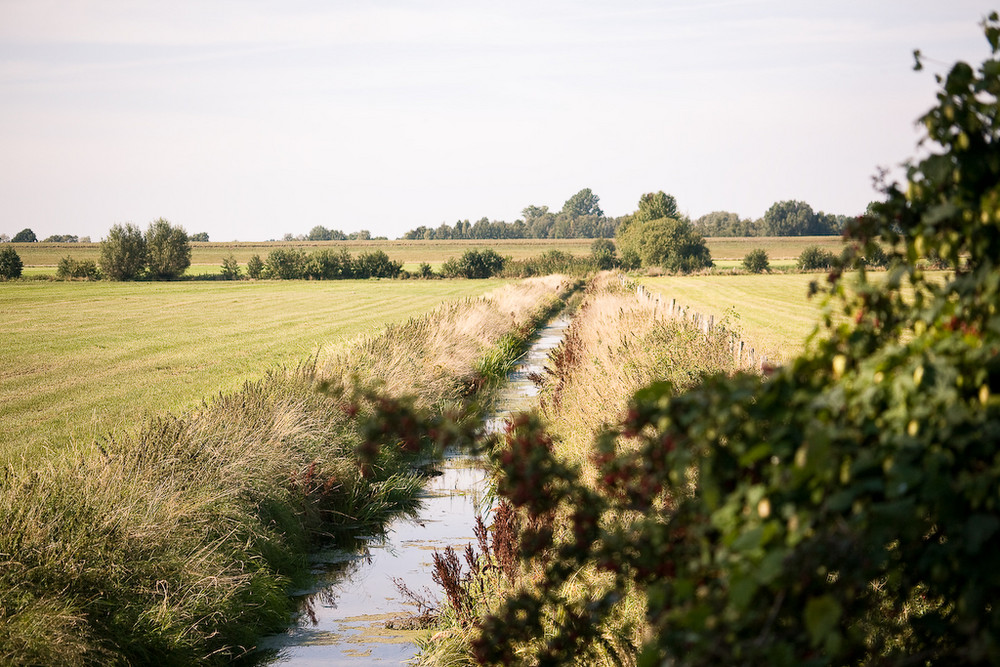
pixel 774 313
pixel 206 258
pixel 79 359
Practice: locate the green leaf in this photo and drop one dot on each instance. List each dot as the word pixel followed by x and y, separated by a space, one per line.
pixel 822 616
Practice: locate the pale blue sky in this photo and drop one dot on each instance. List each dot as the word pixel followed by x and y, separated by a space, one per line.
pixel 250 119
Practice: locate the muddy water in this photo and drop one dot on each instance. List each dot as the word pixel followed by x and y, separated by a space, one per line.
pixel 343 621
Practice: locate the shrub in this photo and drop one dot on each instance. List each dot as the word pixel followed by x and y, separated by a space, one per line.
pixel 876 256
pixel 474 264
pixel 602 251
pixel 376 265
pixel 756 261
pixel 329 265
pixel 123 253
pixel 286 264
pixel 255 267
pixel 425 270
pixel 70 268
pixel 10 263
pixel 231 269
pixel 814 258
pixel 168 250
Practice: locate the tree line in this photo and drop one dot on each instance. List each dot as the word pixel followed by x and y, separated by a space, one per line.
pixel 582 217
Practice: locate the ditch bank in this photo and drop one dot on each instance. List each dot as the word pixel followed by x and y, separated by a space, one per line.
pixel 371 605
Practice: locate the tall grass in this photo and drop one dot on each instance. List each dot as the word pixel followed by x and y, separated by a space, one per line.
pixel 176 541
pixel 615 345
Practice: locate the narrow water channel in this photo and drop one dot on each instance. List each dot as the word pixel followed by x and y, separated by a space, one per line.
pixel 344 619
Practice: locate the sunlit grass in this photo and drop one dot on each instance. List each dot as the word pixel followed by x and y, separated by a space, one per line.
pixel 79 358
pixel 773 312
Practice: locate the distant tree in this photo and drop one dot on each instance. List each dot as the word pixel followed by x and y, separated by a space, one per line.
pixel 4 238
pixel 360 235
pixel 168 250
pixel 61 238
pixel 790 218
pixel 655 205
pixel 603 253
pixel 84 239
pixel 123 253
pixel 474 264
pixel 756 261
pixel 583 202
pixel 255 267
pixel 724 223
pixel 288 237
pixel 24 236
pixel 376 265
pixel 319 233
pixel 329 265
pixel 10 263
pixel 286 263
pixel 231 268
pixel 814 257
pixel 665 241
pixel 200 237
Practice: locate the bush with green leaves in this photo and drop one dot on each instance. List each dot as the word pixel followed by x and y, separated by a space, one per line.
pixel 602 251
pixel 671 243
pixel 484 263
pixel 286 263
pixel 11 265
pixel 70 268
pixel 168 250
pixel 375 264
pixel 842 509
pixel 756 261
pixel 255 267
pixel 329 265
pixel 231 269
pixel 814 258
pixel 123 254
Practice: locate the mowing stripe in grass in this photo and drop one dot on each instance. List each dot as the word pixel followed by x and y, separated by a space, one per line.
pixel 78 358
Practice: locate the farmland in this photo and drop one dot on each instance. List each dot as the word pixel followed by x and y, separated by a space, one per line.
pixel 206 258
pixel 80 359
pixel 772 312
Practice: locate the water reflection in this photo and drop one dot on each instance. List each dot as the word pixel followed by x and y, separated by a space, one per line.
pixel 356 614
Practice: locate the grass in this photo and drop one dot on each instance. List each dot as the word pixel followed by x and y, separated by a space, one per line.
pixel 614 346
pixel 175 540
pixel 773 312
pixel 80 359
pixel 778 247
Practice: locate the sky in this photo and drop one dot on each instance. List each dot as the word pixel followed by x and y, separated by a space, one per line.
pixel 250 119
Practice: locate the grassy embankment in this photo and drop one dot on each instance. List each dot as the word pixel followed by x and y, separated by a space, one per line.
pixel 81 359
pixel 614 346
pixel 206 258
pixel 175 541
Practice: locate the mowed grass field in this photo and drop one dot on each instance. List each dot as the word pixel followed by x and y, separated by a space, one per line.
pixel 80 359
pixel 772 311
pixel 206 258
